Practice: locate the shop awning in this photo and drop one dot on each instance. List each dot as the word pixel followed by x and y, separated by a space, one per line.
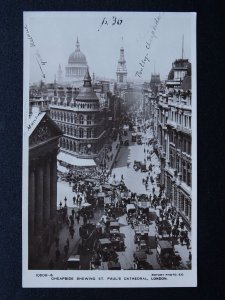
pixel 62 169
pixel 74 161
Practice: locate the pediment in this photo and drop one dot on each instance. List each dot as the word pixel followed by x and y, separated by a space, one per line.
pixel 45 130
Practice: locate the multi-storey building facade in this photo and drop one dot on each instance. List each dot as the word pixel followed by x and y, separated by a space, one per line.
pixel 173 128
pixel 83 121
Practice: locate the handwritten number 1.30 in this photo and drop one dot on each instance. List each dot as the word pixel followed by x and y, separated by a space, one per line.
pixel 113 21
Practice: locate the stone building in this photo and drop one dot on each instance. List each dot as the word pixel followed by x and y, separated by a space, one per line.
pixel 121 73
pixel 44 136
pixel 83 122
pixel 76 67
pixel 173 115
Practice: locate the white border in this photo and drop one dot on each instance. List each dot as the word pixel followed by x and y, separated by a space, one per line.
pixel 32 278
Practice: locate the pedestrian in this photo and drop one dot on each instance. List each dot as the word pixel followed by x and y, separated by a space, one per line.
pixel 85 219
pixel 188 243
pixel 73 212
pixel 72 231
pixel 78 218
pixel 57 254
pixel 57 242
pixel 190 256
pixel 74 200
pixel 50 264
pixel 66 249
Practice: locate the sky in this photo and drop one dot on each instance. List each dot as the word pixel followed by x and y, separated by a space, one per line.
pixel 54 36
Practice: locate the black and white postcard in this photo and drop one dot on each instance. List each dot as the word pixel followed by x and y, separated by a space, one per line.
pixel 109 149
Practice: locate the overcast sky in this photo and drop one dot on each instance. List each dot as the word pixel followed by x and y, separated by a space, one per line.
pixel 55 34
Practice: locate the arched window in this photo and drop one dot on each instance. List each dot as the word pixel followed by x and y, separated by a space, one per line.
pixel 81 119
pixel 88 120
pixel 72 118
pixel 89 133
pixel 74 146
pixel 81 133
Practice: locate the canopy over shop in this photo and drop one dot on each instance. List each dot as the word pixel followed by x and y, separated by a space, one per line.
pixel 70 160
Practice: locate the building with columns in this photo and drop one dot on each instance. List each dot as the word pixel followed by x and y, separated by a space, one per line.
pixel 44 137
pixel 76 67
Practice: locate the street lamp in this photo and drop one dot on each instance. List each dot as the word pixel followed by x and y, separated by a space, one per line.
pixel 89 147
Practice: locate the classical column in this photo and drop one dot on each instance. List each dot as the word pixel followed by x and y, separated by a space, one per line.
pixel 31 199
pixel 46 191
pixel 189 212
pixel 39 197
pixel 53 198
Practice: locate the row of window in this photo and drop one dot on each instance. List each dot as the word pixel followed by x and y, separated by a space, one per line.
pixel 182 120
pixel 184 205
pixel 181 202
pixel 76 147
pixel 79 133
pixel 70 117
pixel 183 144
pixel 183 167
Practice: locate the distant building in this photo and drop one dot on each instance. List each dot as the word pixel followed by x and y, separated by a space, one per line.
pixel 59 75
pixel 155 83
pixel 121 73
pixel 76 68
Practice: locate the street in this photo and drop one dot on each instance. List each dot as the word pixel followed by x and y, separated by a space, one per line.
pixel 133 180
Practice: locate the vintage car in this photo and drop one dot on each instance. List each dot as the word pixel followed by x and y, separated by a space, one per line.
pixel 164 253
pixel 114 265
pixel 126 143
pixel 114 226
pixel 131 210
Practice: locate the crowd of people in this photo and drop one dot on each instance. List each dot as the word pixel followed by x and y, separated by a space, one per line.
pixel 86 186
